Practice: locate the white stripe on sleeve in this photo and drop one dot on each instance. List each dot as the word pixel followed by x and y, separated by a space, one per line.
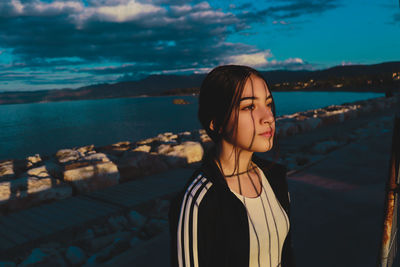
pixel 186 216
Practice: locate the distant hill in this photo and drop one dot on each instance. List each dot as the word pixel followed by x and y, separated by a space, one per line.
pixel 360 78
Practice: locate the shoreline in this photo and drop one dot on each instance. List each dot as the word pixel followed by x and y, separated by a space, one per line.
pixel 68 172
pixel 180 95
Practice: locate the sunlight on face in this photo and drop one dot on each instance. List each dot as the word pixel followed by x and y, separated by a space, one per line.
pixel 255 123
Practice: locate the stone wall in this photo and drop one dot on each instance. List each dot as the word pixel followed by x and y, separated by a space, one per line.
pixel 39 179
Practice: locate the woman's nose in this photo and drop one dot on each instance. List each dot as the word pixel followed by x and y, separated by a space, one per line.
pixel 267 116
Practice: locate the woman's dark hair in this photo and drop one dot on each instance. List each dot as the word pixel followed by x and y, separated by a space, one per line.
pixel 220 93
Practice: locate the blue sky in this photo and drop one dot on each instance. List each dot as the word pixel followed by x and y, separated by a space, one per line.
pixel 46 44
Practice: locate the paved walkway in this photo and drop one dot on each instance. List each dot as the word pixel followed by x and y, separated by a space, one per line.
pixel 337 205
pixel 337 209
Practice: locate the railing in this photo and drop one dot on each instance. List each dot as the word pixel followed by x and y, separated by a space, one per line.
pixel 389 241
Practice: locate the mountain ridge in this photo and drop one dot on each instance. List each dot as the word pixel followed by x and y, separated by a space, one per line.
pixel 361 78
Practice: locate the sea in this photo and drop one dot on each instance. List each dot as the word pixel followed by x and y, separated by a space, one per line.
pixel 44 128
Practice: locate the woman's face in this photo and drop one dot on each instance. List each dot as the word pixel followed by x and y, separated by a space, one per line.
pixel 256 122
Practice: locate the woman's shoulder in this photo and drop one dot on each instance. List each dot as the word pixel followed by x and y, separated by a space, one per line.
pixel 198 192
pixel 198 179
pixel 198 186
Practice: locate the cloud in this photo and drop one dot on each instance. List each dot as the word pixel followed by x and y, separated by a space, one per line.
pixel 289 64
pixel 12 76
pixel 281 22
pixel 117 12
pixel 254 59
pixel 25 80
pixel 243 6
pixel 38 77
pixel 119 31
pixel 108 39
pixel 263 60
pixel 105 70
pixel 111 39
pixel 298 8
pixel 281 10
pixel 38 8
pixel 169 2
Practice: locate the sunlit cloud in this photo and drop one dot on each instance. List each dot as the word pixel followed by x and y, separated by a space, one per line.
pixel 109 39
pixel 254 59
pixel 263 60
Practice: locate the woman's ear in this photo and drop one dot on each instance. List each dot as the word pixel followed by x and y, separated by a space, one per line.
pixel 211 126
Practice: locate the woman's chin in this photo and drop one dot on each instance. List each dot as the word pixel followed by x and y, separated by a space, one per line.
pixel 263 149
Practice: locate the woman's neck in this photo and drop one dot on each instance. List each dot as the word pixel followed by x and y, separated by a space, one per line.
pixel 233 160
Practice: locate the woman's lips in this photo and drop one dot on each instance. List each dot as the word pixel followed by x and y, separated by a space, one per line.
pixel 267 134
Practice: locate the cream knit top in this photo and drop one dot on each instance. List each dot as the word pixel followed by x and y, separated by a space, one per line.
pixel 268 226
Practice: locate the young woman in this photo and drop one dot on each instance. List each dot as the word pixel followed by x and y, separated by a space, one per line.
pixel 234 210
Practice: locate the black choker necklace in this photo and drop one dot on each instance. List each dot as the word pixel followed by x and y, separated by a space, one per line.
pixel 239 173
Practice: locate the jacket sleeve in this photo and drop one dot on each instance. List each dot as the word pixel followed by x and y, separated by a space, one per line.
pixel 173 217
pixel 189 232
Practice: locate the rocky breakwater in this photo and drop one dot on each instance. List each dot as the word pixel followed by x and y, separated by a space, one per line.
pixel 39 179
pixel 154 155
pixel 289 125
pixel 24 183
pixel 85 169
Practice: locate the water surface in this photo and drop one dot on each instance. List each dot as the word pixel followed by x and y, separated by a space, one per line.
pixel 44 128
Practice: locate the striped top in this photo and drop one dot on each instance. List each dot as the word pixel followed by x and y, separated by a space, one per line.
pixel 268 226
pixel 187 225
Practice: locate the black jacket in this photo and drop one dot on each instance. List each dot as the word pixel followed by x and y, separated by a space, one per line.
pixel 212 221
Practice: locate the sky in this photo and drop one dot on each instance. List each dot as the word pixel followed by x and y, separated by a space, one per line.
pixel 50 44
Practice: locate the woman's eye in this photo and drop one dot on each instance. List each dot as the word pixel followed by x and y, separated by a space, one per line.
pixel 269 104
pixel 250 107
